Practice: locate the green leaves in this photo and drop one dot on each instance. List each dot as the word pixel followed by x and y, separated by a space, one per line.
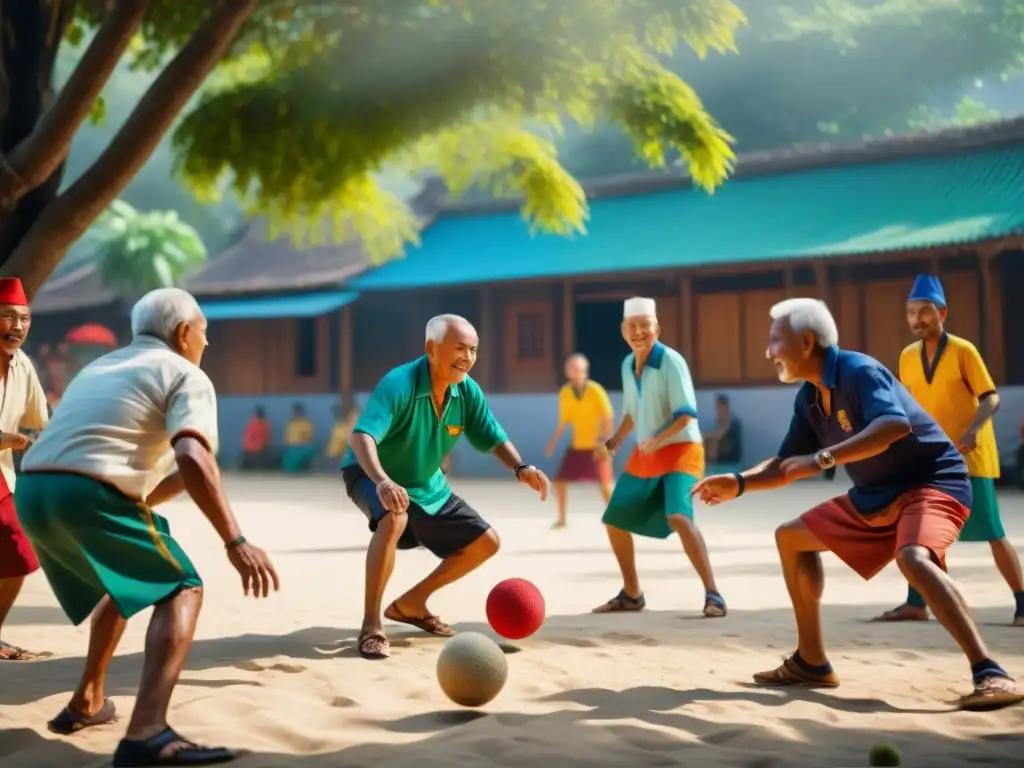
pixel 137 252
pixel 321 95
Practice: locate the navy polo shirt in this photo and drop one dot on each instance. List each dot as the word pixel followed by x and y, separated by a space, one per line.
pixel 864 390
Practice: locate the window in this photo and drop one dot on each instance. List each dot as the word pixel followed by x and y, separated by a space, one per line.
pixel 305 347
pixel 531 337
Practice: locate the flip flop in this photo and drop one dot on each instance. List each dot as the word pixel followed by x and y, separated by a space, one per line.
pixel 69 721
pixel 14 653
pixel 430 624
pixel 991 693
pixel 622 603
pixel 714 606
pixel 789 674
pixel 374 645
pixel 142 754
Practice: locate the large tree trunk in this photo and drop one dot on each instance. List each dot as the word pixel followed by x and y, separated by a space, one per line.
pixel 30 35
pixel 66 216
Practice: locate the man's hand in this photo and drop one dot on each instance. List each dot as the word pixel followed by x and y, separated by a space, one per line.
pixel 550 448
pixel 393 497
pixel 14 441
pixel 799 467
pixel 968 442
pixel 650 445
pixel 255 568
pixel 602 451
pixel 716 489
pixel 536 479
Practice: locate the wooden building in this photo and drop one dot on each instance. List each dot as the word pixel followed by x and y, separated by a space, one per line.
pixel 849 223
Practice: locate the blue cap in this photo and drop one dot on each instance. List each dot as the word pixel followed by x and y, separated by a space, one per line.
pixel 928 288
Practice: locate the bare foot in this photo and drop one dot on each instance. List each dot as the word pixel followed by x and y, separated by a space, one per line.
pixel 904 613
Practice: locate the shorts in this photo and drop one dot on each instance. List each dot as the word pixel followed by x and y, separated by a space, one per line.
pixel 450 530
pixel 924 517
pixel 642 505
pixel 580 465
pixel 985 522
pixel 92 541
pixel 17 558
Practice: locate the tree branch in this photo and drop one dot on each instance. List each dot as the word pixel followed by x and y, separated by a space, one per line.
pixel 37 156
pixel 68 217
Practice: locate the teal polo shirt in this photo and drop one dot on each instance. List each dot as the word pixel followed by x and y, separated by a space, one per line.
pixel 413 439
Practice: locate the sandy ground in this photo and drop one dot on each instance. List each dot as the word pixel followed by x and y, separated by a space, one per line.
pixel 662 688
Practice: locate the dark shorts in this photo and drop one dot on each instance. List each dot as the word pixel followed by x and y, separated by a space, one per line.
pixel 580 466
pixel 453 528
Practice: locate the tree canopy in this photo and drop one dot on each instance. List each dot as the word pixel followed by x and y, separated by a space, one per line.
pixel 306 99
pixel 817 70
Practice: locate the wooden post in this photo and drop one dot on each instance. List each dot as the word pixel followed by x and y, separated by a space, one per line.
pixel 992 346
pixel 568 318
pixel 821 284
pixel 486 367
pixel 347 355
pixel 687 343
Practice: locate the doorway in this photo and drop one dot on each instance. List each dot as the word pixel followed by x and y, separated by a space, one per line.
pixel 599 337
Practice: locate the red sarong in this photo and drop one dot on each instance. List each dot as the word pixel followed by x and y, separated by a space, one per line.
pixel 17 558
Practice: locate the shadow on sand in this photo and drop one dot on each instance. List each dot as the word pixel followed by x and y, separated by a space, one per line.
pixel 649 726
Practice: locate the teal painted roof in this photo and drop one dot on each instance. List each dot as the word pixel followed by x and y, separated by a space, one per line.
pixel 916 203
pixel 274 307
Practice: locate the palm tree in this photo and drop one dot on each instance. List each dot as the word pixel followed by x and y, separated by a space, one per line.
pixel 139 251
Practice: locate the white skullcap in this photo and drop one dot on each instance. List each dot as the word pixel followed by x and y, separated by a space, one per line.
pixel 638 306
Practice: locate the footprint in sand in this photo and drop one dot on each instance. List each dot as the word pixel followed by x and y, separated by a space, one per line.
pixel 904 655
pixel 344 702
pixel 572 642
pixel 628 638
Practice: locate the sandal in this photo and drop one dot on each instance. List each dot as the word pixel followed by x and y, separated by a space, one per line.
pixel 10 652
pixel 991 693
pixel 430 624
pixel 374 645
pixel 621 603
pixel 714 606
pixel 138 754
pixel 789 673
pixel 69 721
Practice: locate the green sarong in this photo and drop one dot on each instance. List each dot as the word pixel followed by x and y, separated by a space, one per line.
pixel 642 505
pixel 297 458
pixel 93 541
pixel 985 523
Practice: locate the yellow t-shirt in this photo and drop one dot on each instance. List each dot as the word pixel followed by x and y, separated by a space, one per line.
pixel 584 413
pixel 958 377
pixel 298 432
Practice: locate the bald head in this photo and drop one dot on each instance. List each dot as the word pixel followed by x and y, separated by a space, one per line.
pixel 577 369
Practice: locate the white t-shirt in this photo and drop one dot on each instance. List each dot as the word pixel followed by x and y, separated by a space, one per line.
pixel 119 415
pixel 22 406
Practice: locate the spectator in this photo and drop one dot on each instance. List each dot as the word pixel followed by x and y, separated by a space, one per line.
pixel 256 442
pixel 299 449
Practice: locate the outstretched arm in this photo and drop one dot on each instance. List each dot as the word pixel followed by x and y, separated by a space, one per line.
pixel 625 427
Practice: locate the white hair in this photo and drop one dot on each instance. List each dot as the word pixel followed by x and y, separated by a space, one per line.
pixel 437 327
pixel 808 315
pixel 160 312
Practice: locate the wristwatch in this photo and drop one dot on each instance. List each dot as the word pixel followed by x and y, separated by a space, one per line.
pixel 521 467
pixel 825 459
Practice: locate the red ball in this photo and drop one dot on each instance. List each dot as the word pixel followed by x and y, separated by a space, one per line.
pixel 515 609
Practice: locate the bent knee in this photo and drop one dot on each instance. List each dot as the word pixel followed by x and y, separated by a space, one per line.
pixel 391 527
pixel 913 557
pixel 794 536
pixel 488 544
pixel 681 523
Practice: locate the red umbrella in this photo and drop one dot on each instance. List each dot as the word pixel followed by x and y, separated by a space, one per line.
pixel 91 333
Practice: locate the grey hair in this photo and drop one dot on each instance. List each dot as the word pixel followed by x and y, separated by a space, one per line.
pixel 808 315
pixel 160 312
pixel 437 327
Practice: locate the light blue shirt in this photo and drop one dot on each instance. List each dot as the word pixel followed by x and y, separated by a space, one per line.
pixel 661 394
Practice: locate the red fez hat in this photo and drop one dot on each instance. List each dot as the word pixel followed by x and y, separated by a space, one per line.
pixel 12 292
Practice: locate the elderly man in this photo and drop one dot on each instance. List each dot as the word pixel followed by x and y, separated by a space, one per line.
pixel 86 499
pixel 652 497
pixel 22 406
pixel 584 406
pixel 948 377
pixel 910 497
pixel 392 472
